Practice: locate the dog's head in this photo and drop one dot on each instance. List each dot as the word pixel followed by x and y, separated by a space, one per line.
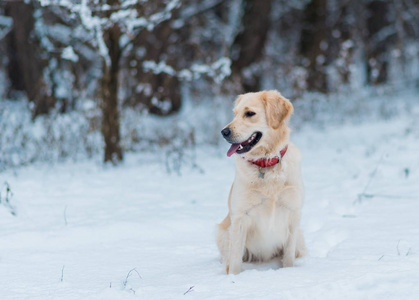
pixel 259 125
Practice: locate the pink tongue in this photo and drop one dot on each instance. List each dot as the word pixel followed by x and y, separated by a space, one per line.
pixel 232 149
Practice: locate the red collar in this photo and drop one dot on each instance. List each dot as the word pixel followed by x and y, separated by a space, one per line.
pixel 269 162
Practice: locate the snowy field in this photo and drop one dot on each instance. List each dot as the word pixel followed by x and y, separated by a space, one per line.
pixel 81 228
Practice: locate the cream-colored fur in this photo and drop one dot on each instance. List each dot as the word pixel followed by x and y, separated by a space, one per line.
pixel 263 221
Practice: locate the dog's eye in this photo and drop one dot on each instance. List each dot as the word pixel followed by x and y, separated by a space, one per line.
pixel 249 113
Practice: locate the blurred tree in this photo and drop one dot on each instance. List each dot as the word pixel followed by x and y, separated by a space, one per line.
pixel 380 32
pixel 26 63
pixel 109 88
pixel 115 25
pixel 155 90
pixel 182 48
pixel 248 46
pixel 314 43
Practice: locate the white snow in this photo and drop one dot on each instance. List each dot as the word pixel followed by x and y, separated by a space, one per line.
pixel 69 54
pixel 217 70
pixel 82 227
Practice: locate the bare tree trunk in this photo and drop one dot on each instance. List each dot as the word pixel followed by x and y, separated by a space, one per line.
pixel 26 67
pixel 314 44
pixel 378 41
pixel 109 95
pixel 249 44
pixel 401 36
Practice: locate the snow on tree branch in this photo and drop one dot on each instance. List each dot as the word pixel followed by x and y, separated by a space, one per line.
pixel 125 15
pixel 5 26
pixel 218 70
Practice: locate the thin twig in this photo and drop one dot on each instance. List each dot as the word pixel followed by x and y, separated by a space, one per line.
pixel 389 196
pixel 373 173
pixel 408 251
pixel 189 290
pixel 381 257
pixel 363 194
pixel 62 273
pixel 129 274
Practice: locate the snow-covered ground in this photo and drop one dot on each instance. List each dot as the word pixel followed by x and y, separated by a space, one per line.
pixel 81 228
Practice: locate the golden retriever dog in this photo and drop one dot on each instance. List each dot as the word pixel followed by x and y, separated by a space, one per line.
pixel 267 194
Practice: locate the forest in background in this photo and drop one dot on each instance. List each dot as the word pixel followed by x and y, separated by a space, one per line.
pixel 77 77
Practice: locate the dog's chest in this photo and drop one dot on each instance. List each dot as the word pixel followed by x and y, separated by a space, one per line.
pixel 269 230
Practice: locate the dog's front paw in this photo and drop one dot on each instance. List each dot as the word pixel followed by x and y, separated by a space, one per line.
pixel 288 262
pixel 234 269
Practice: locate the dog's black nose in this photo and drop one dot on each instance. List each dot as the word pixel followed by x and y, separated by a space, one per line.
pixel 226 132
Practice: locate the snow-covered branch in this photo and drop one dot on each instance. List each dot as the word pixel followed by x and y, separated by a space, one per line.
pixel 5 26
pixel 125 15
pixel 218 70
pixel 201 7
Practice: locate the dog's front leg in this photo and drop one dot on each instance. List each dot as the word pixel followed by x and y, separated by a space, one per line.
pixel 289 248
pixel 291 200
pixel 238 233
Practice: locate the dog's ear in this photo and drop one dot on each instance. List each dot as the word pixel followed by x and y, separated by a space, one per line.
pixel 278 109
